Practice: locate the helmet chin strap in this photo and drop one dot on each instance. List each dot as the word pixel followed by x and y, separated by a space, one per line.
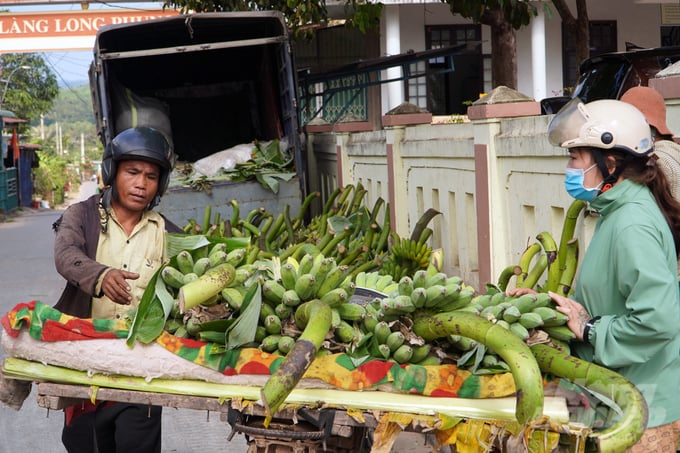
pixel 609 178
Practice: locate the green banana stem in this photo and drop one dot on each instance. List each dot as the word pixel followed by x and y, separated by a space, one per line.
pixel 299 219
pixel 568 230
pixel 550 248
pixel 525 261
pixel 525 371
pixel 385 231
pixel 422 223
pixel 235 213
pixel 570 265
pixel 207 214
pixel 359 193
pixel 317 320
pixel 342 199
pixel 331 200
pixel 535 273
pixel 506 274
pixel 376 209
pixel 627 431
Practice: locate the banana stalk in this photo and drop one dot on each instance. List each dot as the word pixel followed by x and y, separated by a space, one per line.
pixel 550 248
pixel 506 274
pixel 525 371
pixel 568 231
pixel 628 430
pixel 525 262
pixel 317 319
pixel 570 265
pixel 422 223
pixel 536 272
pixel 206 286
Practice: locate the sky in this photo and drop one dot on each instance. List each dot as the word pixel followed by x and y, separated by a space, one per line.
pixel 71 67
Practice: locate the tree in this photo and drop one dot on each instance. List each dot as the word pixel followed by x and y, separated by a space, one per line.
pixel 576 26
pixel 504 17
pixel 299 15
pixel 29 86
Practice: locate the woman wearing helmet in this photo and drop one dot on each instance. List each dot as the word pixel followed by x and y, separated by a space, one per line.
pixel 107 248
pixel 625 310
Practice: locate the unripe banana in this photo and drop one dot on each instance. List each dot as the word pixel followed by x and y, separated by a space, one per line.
pixel 351 312
pixel 332 280
pixel 304 286
pixel 217 258
pixel 273 291
pixel 383 281
pixel 285 344
pixel 306 263
pixel 335 298
pixel 436 294
pixel 172 277
pixel 403 353
pixel 201 265
pixel 563 333
pixel 291 298
pixel 270 343
pixel 394 340
pixel 419 297
pixel 189 277
pixel 345 332
pixel 382 331
pixel 530 320
pixel 437 279
pixel 370 321
pixel 185 262
pixel 233 297
pixel 511 314
pixel 405 286
pixel 519 330
pixel 288 275
pixel 235 257
pixel 272 324
pixel 384 351
pixel 420 352
pixel 420 279
pixel 218 247
pixel 283 311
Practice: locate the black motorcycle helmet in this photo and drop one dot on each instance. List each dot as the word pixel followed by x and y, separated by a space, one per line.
pixel 139 143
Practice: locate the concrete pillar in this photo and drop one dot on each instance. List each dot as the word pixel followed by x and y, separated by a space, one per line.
pixel 538 58
pixel 395 90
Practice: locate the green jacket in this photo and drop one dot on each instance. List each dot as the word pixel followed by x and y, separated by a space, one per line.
pixel 629 278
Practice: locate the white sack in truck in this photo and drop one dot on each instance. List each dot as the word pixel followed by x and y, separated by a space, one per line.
pixel 226 160
pixel 132 110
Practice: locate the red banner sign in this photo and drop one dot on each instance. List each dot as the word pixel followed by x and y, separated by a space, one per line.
pixel 69 23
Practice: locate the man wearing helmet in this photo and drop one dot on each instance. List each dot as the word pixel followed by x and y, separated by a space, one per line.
pixel 107 248
pixel 625 309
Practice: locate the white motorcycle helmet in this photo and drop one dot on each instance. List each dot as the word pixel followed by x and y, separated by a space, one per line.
pixel 604 124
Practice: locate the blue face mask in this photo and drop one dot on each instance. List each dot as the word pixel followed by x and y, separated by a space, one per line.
pixel 573 183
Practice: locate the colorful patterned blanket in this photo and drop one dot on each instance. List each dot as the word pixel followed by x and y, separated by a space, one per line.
pixel 45 323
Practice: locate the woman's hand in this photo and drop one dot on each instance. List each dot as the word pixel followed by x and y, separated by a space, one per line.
pixel 116 287
pixel 516 292
pixel 577 314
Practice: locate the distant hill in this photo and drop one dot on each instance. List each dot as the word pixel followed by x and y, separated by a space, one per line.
pixel 73 105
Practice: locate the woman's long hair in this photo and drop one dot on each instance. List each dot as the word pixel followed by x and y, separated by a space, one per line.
pixel 647 172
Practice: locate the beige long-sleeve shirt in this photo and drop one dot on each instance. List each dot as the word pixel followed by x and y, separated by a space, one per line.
pixel 141 252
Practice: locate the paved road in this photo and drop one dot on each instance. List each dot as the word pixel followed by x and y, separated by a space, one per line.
pixel 27 273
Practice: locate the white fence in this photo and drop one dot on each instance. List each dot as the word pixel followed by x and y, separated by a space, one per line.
pixel 497 182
